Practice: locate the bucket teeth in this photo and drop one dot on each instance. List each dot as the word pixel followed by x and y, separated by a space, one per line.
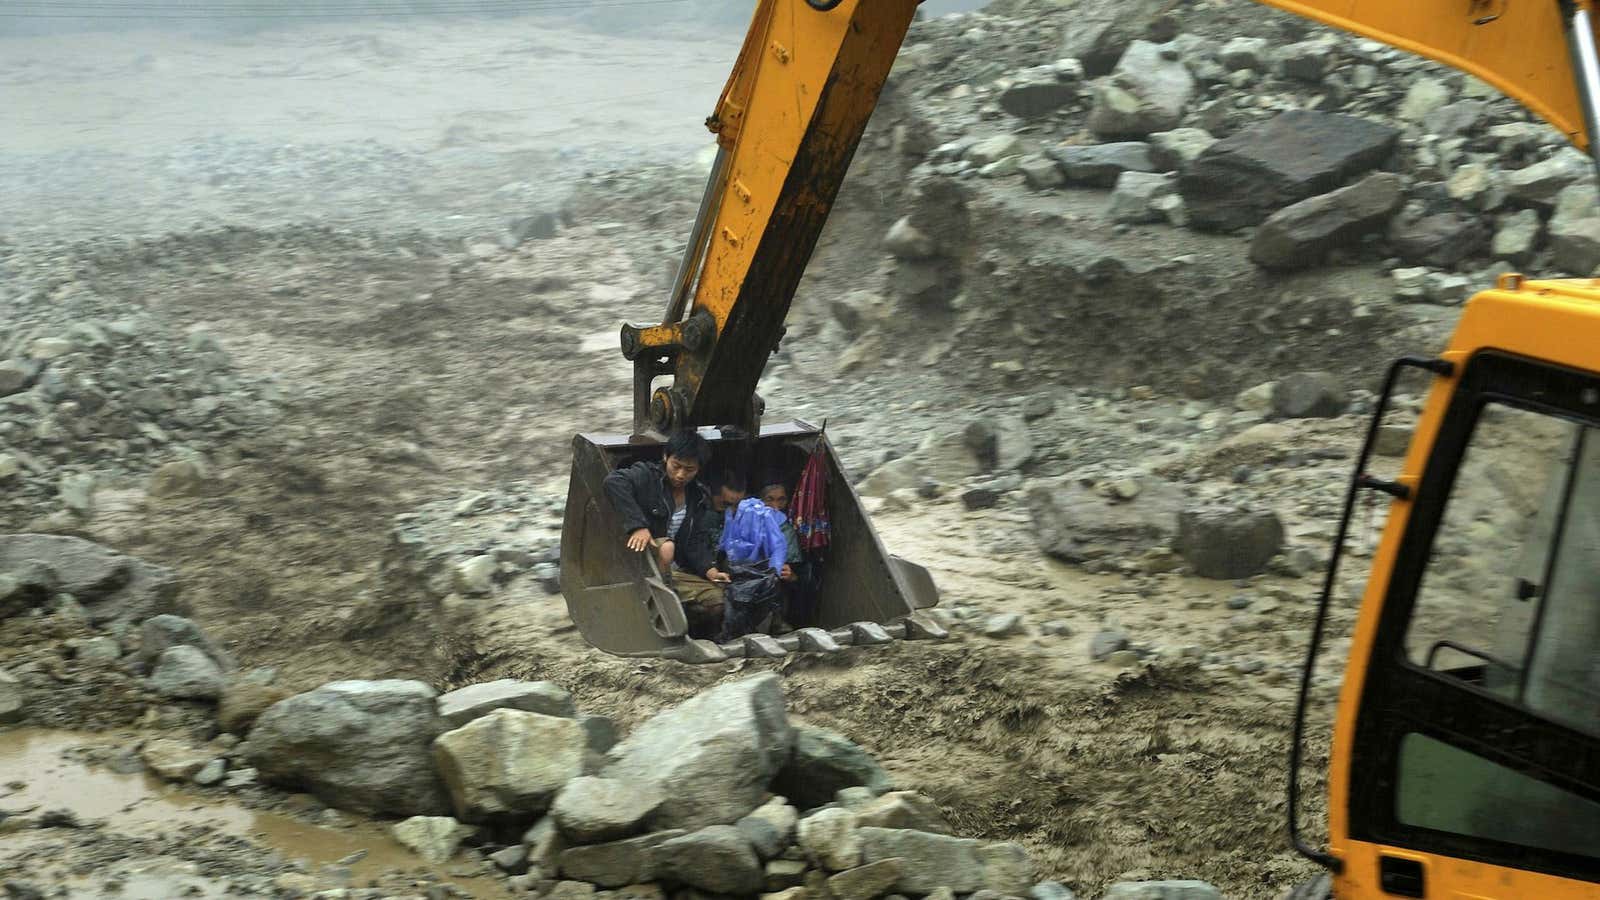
pixel 698 652
pixel 815 640
pixel 921 626
pixel 868 634
pixel 763 646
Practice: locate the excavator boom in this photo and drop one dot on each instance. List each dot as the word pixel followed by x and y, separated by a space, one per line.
pixel 1539 52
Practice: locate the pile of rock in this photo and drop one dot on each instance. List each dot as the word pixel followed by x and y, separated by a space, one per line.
pixel 472 544
pixel 721 795
pixel 91 388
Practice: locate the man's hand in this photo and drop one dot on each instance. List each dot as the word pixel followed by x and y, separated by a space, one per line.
pixel 715 576
pixel 787 573
pixel 639 540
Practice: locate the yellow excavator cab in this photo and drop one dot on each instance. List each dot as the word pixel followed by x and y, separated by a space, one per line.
pixel 622 604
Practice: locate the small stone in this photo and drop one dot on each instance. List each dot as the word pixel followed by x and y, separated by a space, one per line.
pixel 1162 890
pixel 1003 625
pixel 77 493
pixel 1050 890
pixel 994 149
pixel 1123 659
pixel 1056 628
pixel 98 650
pixel 1105 643
pixel 180 477
pixel 782 874
pixel 212 774
pixel 978 498
pixel 50 348
pixel 1392 440
pixel 475 576
pixel 1308 395
pixel 512 860
pixel 1036 407
pixel 434 838
pixel 173 760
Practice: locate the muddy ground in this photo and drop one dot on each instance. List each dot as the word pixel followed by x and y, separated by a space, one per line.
pixel 355 257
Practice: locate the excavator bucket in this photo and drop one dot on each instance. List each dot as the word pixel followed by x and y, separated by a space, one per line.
pixel 622 604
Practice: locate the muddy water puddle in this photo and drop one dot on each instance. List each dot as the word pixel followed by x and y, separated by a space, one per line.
pixel 42 771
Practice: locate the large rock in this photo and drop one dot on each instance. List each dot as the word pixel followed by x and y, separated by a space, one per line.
pixel 1516 236
pixel 993 149
pixel 1037 92
pixel 1220 542
pixel 462 705
pixel 903 809
pixel 905 241
pixel 1246 53
pixel 1098 165
pixel 1076 524
pixel 932 861
pixel 771 828
pixel 832 838
pixel 158 634
pixel 1542 183
pixel 1161 890
pixel 1001 443
pixel 1172 150
pixel 509 764
pixel 173 760
pixel 868 881
pixel 1308 395
pixel 713 756
pixel 109 585
pixel 825 763
pixel 1440 240
pixel 617 863
pixel 1301 234
pixel 1147 92
pixel 187 674
pixel 434 838
pixel 13 701
pixel 17 375
pixel 360 745
pixel 590 810
pixel 1243 178
pixel 716 859
pixel 1574 230
pixel 1097 35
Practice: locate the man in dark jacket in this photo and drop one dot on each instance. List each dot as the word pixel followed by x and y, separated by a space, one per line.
pixel 663 507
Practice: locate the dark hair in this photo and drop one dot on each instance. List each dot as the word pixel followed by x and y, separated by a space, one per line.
pixel 727 478
pixel 687 444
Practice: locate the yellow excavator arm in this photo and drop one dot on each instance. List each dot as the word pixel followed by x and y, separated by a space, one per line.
pixel 1539 52
pixel 787 125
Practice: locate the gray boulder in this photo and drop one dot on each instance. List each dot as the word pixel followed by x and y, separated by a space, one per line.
pixel 1147 92
pixel 1306 60
pixel 1098 165
pixel 903 809
pixel 1574 230
pixel 509 764
pixel 1245 53
pixel 823 764
pixel 109 585
pixel 1172 150
pixel 187 673
pixel 831 837
pixel 1075 524
pixel 158 634
pixel 1050 890
pixel 1308 395
pixel 1037 92
pixel 1041 172
pixel 1440 240
pixel 1097 35
pixel 1301 234
pixel 713 756
pixel 360 745
pixel 868 881
pixel 1540 184
pixel 1007 870
pixel 1219 542
pixel 618 863
pixel 590 810
pixel 1243 178
pixel 716 859
pixel 1161 890
pixel 462 705
pixel 932 861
